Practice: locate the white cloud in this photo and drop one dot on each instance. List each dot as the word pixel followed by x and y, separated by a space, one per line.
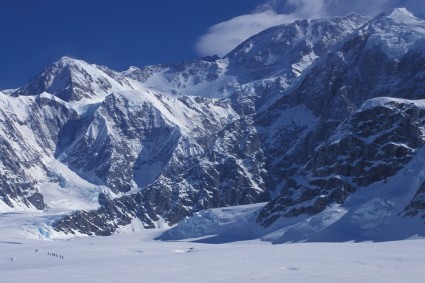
pixel 223 37
pixel 308 8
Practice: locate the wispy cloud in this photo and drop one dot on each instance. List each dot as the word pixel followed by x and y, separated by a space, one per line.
pixel 223 37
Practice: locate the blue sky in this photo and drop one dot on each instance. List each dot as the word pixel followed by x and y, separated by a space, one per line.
pixel 35 33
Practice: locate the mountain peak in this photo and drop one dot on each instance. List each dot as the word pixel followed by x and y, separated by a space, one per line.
pixel 75 64
pixel 73 79
pixel 286 50
pixel 396 32
pixel 66 61
pixel 397 13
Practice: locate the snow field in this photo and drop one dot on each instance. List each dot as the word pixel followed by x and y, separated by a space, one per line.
pixel 216 251
pixel 138 257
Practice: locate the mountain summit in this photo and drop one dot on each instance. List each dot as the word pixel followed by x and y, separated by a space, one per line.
pixel 73 80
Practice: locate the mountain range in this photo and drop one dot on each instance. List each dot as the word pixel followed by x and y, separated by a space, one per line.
pixel 320 120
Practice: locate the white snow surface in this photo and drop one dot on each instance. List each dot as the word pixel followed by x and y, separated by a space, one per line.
pixel 138 257
pixel 190 82
pixel 397 32
pixel 384 101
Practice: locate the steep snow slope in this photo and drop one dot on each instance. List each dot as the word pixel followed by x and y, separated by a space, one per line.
pixel 396 32
pixel 287 50
pixel 132 132
pixel 194 78
pixel 30 129
pixel 75 80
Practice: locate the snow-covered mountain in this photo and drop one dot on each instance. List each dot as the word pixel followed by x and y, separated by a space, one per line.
pixel 358 140
pixel 75 80
pixel 307 116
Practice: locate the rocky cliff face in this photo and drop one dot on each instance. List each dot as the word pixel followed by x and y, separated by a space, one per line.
pixel 29 134
pixel 291 116
pixel 372 145
pixel 361 67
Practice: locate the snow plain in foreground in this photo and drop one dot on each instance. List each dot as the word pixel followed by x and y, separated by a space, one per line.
pixel 138 257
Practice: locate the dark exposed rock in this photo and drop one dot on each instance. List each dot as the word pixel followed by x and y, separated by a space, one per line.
pixel 417 206
pixel 370 146
pixel 105 220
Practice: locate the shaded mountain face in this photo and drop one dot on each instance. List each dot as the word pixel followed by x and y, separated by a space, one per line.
pixel 287 50
pixel 293 116
pixel 370 146
pixel 353 146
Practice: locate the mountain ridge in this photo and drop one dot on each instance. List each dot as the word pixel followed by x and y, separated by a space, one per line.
pixel 160 143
